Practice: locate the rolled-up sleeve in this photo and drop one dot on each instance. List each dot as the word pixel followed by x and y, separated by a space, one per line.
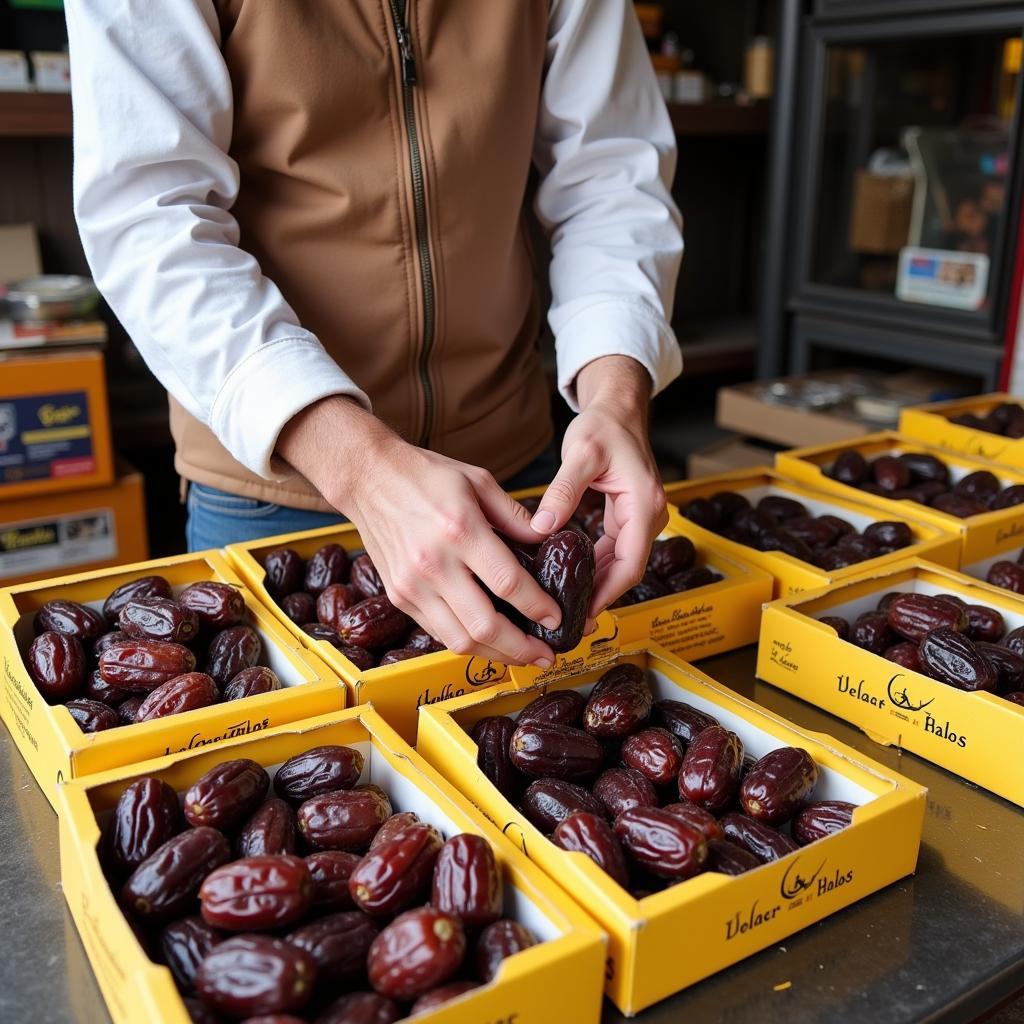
pixel 606 154
pixel 153 190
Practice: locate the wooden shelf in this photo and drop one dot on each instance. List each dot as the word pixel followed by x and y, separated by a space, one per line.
pixel 711 119
pixel 35 115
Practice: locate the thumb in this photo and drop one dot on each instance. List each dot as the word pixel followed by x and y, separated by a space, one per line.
pixel 580 468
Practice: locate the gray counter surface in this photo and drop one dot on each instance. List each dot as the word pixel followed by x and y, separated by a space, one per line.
pixel 946 944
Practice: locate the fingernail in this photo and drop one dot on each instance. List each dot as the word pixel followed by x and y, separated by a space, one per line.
pixel 550 622
pixel 543 522
pixel 543 663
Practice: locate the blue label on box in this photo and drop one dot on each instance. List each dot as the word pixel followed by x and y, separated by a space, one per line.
pixel 45 437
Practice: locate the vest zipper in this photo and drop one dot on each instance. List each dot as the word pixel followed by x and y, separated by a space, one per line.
pixel 419 200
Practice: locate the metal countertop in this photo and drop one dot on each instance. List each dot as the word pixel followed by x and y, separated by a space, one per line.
pixel 946 944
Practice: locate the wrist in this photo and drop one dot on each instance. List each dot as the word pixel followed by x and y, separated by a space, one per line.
pixel 618 385
pixel 332 444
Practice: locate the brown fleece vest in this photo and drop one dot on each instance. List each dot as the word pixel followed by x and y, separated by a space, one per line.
pixel 391 214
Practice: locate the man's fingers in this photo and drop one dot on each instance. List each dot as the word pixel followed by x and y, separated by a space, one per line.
pixel 581 467
pixel 503 575
pixel 445 626
pixel 488 629
pixel 632 547
pixel 502 511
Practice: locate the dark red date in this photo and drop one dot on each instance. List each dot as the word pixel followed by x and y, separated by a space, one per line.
pixel 178 695
pixel 226 795
pixel 69 618
pixel 232 650
pixel 498 942
pixel 142 665
pixel 345 820
pixel 57 665
pixel 619 789
pixel 467 883
pixel 255 974
pixel 158 618
pixel 710 773
pixel 215 604
pixel 764 841
pixel 317 771
pixel 778 784
pixel 271 830
pixel 185 944
pixel 544 749
pixel 145 817
pixel 816 821
pixel 418 951
pixel 564 568
pixel 396 874
pixel 250 682
pixel 661 843
pixel 339 944
pixel 257 893
pixel 167 882
pixel 546 802
pixel 591 835
pixel 134 590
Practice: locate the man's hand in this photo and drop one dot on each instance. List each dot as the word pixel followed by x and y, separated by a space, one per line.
pixel 428 524
pixel 606 447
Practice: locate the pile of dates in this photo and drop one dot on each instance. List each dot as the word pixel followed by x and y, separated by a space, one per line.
pixel 1007 419
pixel 917 476
pixel 960 644
pixel 306 896
pixel 780 523
pixel 654 792
pixel 339 597
pixel 137 658
pixel 1008 575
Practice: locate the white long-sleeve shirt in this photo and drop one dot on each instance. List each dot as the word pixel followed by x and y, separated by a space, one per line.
pixel 154 186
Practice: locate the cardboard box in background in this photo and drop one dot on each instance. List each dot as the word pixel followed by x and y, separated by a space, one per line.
pixel 19 251
pixel 726 455
pixel 829 405
pixel 74 531
pixel 54 423
pixel 674 938
pixel 880 216
pixel 56 749
pixel 976 735
pixel 745 409
pixel 559 979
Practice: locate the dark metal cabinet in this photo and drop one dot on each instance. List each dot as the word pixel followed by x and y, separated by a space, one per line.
pixel 930 79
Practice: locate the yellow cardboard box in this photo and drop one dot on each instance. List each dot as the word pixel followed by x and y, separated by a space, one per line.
pixel 700 622
pixel 53 745
pixel 978 534
pixel 719 920
pixel 74 530
pixel 54 423
pixel 556 981
pixel 793 576
pixel 931 424
pixel 396 691
pixel 976 735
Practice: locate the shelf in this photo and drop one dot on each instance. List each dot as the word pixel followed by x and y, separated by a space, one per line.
pixel 35 115
pixel 718 119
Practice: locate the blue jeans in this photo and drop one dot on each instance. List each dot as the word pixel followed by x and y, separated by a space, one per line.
pixel 217 518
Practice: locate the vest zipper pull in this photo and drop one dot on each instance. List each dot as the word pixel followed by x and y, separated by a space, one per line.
pixel 408 60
